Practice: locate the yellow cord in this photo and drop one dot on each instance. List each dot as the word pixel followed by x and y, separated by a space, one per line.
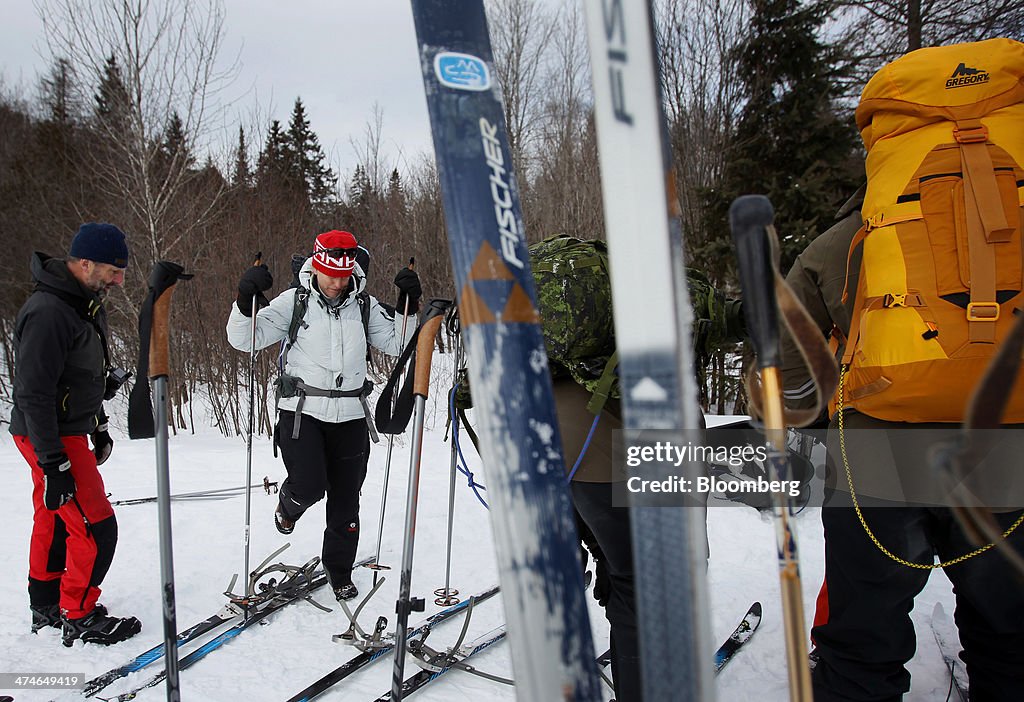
pixel 860 515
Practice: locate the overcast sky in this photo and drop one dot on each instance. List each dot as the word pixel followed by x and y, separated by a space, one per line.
pixel 339 56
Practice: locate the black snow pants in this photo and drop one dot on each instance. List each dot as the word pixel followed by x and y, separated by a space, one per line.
pixel 869 636
pixel 326 458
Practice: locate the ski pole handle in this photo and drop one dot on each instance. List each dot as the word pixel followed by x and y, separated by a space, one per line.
pixel 162 280
pixel 749 218
pixel 425 345
pixel 159 347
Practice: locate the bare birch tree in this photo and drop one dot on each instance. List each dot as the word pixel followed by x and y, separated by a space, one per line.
pixel 521 31
pixel 166 53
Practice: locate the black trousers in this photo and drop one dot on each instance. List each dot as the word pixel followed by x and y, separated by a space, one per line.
pixel 869 636
pixel 610 527
pixel 326 459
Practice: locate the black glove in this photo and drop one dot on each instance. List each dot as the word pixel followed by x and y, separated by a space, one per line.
pixel 408 284
pixel 58 485
pixel 102 444
pixel 254 283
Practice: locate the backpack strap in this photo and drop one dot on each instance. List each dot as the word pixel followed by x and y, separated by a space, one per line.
pixel 299 308
pixel 604 385
pixel 986 225
pixel 363 300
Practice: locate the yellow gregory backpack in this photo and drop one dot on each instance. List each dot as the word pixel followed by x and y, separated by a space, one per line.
pixel 941 271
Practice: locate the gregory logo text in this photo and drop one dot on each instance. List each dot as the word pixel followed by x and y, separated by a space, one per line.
pixel 965 75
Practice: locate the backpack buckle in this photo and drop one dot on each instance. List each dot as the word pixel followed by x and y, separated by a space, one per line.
pixel 971 135
pixel 894 300
pixel 982 311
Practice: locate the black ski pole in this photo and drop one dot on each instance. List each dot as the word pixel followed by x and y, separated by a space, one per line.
pixel 376 565
pixel 162 280
pixel 433 317
pixel 251 429
pixel 446 596
pixel 750 217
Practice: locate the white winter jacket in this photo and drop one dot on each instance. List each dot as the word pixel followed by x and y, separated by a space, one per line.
pixel 330 351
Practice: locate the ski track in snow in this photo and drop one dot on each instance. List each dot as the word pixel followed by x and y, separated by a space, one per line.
pixel 294 648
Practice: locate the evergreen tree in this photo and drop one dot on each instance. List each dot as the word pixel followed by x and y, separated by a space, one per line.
pixel 174 147
pixel 59 96
pixel 113 104
pixel 272 164
pixel 241 176
pixel 792 142
pixel 360 191
pixel 307 158
pixel 395 195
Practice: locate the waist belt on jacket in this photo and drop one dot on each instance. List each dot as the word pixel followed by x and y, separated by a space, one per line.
pixel 303 390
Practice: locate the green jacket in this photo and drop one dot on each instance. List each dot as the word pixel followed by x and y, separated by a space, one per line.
pixel 818 277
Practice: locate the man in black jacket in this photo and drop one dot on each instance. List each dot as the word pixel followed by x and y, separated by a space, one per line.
pixel 62 375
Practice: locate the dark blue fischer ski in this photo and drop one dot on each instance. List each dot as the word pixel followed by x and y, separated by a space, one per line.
pixel 300 591
pixel 157 652
pixel 227 613
pixel 441 664
pixel 531 516
pixel 374 652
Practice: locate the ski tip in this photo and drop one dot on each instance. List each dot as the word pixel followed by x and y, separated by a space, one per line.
pixel 755 608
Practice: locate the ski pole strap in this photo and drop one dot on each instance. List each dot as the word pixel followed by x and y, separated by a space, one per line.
pixel 813 347
pixel 469 429
pixel 153 333
pixel 395 421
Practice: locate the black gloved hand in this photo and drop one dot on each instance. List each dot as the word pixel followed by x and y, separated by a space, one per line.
pixel 102 444
pixel 408 284
pixel 58 485
pixel 254 283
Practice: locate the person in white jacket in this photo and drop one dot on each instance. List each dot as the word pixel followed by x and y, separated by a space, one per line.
pixel 322 425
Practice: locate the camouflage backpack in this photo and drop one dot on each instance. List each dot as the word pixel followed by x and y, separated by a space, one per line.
pixel 574 297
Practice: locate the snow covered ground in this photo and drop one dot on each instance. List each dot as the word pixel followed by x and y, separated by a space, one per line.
pixel 294 648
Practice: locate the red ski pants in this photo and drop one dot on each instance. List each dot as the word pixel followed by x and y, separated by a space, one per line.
pixel 74 545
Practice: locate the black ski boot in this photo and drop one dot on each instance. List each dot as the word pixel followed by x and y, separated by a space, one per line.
pixel 99 628
pixel 49 615
pixel 44 616
pixel 346 592
pixel 284 525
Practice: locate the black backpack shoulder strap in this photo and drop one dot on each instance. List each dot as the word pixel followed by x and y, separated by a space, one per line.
pixel 298 313
pixel 363 299
pixel 299 308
